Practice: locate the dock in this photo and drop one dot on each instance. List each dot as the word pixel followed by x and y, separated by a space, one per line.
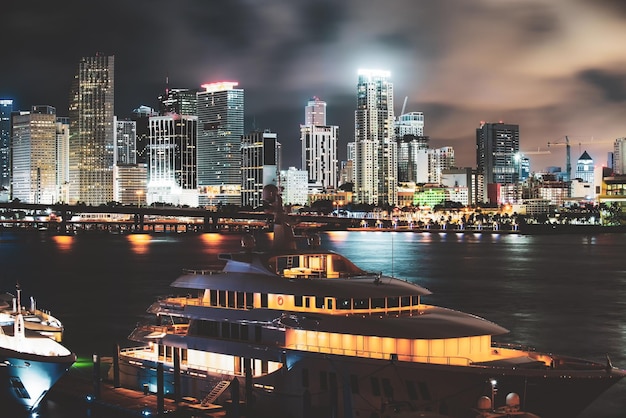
pixel 79 385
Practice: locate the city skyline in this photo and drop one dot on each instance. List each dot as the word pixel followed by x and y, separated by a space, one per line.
pixel 554 68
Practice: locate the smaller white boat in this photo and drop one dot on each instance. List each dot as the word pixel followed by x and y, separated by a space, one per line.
pixel 35 319
pixel 30 362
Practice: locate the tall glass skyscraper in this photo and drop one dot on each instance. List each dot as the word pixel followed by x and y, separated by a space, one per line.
pixel 6 107
pixel 220 129
pixel 375 168
pixel 497 145
pixel 92 131
pixel 319 146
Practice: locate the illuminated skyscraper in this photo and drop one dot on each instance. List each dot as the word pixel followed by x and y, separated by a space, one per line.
pixel 319 146
pixel 179 101
pixel 172 162
pixel 497 145
pixel 259 166
pixel 6 107
pixel 92 131
pixel 619 156
pixel 141 116
pixel 375 168
pixel 220 129
pixel 125 142
pixel 63 158
pixel 34 165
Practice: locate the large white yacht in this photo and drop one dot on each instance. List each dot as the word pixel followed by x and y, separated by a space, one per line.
pixel 305 333
pixel 30 361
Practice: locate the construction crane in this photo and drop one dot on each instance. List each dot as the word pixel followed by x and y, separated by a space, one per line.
pixel 568 163
pixel 568 167
pixel 538 151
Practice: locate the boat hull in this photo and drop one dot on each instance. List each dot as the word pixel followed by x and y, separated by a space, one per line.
pixel 25 379
pixel 343 386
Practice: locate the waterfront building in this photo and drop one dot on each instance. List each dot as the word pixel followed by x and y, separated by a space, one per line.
pixel 376 165
pixel 131 184
pixel 319 145
pixel 429 195
pixel 619 156
pixel 259 166
pixel 429 163
pixel 125 151
pixel 584 168
pixel 458 182
pixel 92 131
pixel 33 150
pixel 141 116
pixel 497 145
pixel 62 158
pixel 6 108
pixel 220 128
pixel 172 174
pixel 179 101
pixel 294 185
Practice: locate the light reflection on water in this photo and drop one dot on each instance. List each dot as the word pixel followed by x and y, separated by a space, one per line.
pixel 562 293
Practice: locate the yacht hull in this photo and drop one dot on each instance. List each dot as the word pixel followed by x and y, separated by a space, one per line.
pixel 26 378
pixel 310 384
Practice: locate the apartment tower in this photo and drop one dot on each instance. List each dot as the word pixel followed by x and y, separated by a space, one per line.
pixel 375 168
pixel 319 146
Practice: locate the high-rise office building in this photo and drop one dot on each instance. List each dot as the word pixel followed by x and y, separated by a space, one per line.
pixel 294 186
pixel 376 165
pixel 92 131
pixel 220 128
pixel 619 156
pixel 319 146
pixel 179 101
pixel 6 108
pixel 315 112
pixel 172 174
pixel 497 146
pixel 63 157
pixel 259 166
pixel 141 116
pixel 125 151
pixel 430 163
pixel 584 168
pixel 34 166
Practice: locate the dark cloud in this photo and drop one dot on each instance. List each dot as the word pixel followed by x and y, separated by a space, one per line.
pixel 322 20
pixel 612 6
pixel 611 85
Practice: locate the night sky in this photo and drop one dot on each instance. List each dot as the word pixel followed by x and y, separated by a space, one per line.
pixel 555 67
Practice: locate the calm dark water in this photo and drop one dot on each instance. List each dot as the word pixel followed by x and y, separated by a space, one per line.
pixel 559 293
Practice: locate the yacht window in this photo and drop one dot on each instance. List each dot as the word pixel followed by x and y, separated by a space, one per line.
pixel 213 297
pixel 241 300
pixel 375 386
pixel 222 298
pixel 405 301
pixel 415 300
pixel 378 303
pixel 361 303
pixel 319 302
pixel 329 303
pixel 323 380
pixel 424 391
pixel 410 388
pixel 393 302
pixel 231 299
pixel 307 302
pixel 249 300
pixel 234 330
pixel 297 300
pixel 225 330
pixel 343 303
pixel 354 384
pixel 387 388
pixel 263 300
